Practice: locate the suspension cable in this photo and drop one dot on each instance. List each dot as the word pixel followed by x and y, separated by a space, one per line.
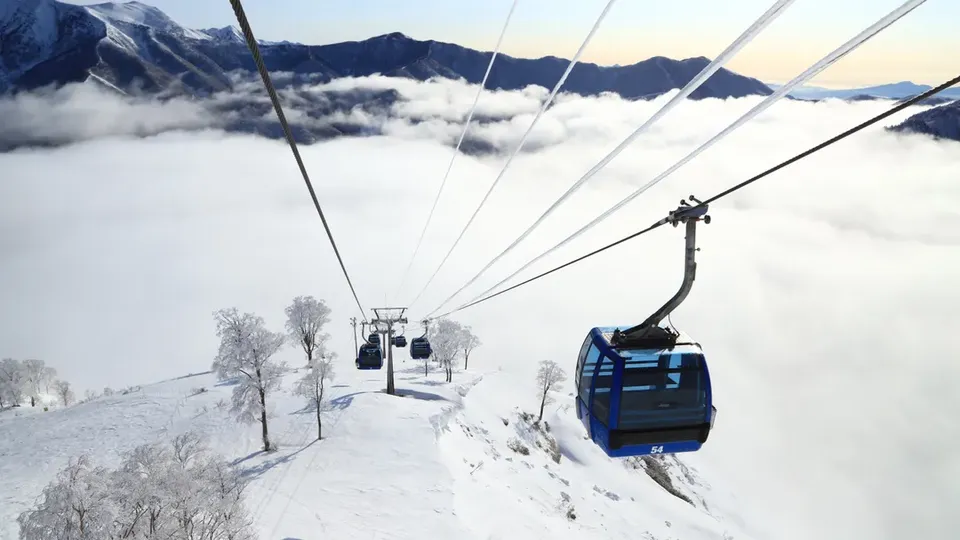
pixel 523 139
pixel 825 62
pixel 746 37
pixel 466 125
pixel 268 84
pixel 912 101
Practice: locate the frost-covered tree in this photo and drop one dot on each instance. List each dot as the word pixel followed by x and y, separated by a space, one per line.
pixel 12 381
pixel 48 377
pixel 107 391
pixel 64 392
pixel 468 342
pixel 33 371
pixel 77 505
pixel 549 377
pixel 312 385
pixel 246 349
pixel 445 339
pixel 178 490
pixel 305 319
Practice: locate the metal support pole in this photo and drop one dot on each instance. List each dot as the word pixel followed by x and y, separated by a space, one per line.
pixel 390 387
pixel 356 347
pixel 384 324
pixel 689 215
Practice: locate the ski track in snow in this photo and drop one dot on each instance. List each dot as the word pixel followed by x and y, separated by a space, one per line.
pixel 432 462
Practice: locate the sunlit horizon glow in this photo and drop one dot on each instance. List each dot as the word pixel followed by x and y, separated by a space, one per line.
pixel 912 49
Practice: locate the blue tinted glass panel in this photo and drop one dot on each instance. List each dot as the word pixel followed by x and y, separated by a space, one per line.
pixel 580 359
pixel 586 377
pixel 602 386
pixel 662 391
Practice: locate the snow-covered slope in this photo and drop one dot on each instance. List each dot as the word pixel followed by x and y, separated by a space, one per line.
pixel 137 13
pixel 47 38
pixel 435 463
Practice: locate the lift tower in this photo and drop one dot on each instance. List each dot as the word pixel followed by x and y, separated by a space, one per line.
pixel 383 321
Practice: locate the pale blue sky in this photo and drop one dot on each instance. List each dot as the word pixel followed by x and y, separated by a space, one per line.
pixel 922 47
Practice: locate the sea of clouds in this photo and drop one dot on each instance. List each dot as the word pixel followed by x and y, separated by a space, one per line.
pixel 825 297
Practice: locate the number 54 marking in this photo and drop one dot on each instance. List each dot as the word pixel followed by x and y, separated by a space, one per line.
pixel 656 450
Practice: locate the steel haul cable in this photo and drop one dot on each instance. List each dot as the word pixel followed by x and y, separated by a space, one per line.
pixel 268 84
pixel 456 151
pixel 523 139
pixel 794 159
pixel 746 37
pixel 810 72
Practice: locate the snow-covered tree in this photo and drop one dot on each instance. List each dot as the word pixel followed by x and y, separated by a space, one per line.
pixel 246 349
pixel 48 377
pixel 312 386
pixel 107 391
pixel 33 371
pixel 305 319
pixel 64 392
pixel 445 338
pixel 77 505
pixel 468 342
pixel 178 490
pixel 549 377
pixel 12 381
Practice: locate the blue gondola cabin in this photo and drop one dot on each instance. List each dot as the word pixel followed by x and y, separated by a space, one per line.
pixel 643 401
pixel 370 356
pixel 420 348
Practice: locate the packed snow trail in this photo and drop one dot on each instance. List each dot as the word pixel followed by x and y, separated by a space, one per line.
pixel 433 462
pixel 376 474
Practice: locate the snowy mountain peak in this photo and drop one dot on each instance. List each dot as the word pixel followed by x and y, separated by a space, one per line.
pixel 227 33
pixel 134 13
pixel 33 31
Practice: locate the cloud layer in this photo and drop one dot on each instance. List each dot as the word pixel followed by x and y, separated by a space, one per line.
pixel 824 299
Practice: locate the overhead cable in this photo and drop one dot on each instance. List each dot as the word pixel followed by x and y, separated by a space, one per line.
pixel 523 140
pixel 724 193
pixel 456 150
pixel 268 84
pixel 812 71
pixel 746 37
pixel 910 102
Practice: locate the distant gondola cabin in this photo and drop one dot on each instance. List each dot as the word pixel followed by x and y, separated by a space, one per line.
pixel 369 356
pixel 420 348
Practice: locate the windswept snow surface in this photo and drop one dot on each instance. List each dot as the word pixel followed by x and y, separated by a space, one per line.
pixel 141 14
pixel 433 463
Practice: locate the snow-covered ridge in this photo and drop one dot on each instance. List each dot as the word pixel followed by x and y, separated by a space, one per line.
pixel 227 33
pixel 440 460
pixel 136 13
pixel 32 31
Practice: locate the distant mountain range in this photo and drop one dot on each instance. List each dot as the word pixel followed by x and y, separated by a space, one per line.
pixel 133 44
pixel 941 122
pixel 900 90
pixel 134 48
